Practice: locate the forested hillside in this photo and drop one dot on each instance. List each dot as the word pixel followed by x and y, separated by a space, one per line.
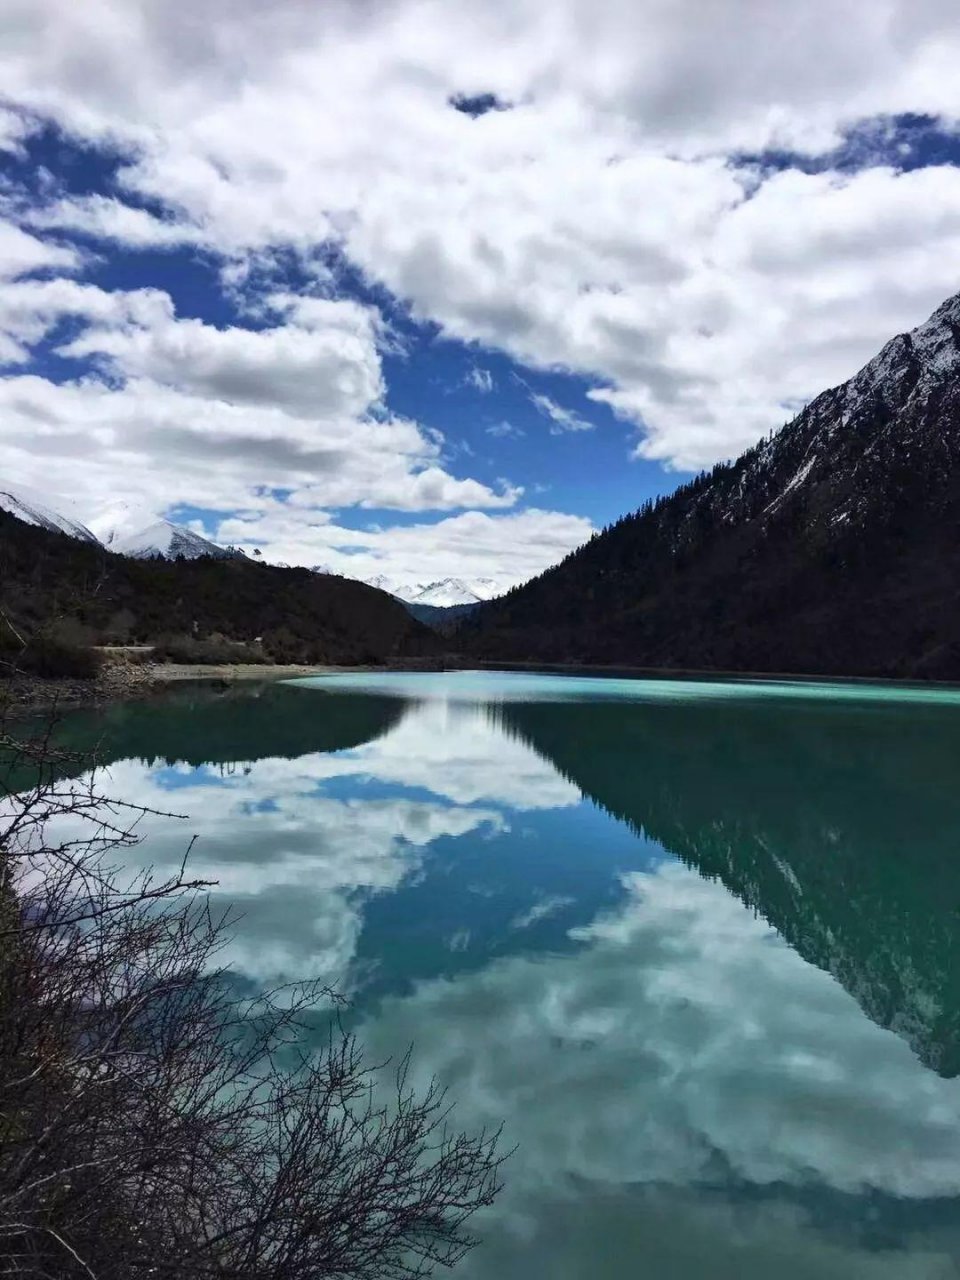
pixel 831 547
pixel 50 581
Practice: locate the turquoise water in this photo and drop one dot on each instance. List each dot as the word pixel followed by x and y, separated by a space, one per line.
pixel 513 686
pixel 695 944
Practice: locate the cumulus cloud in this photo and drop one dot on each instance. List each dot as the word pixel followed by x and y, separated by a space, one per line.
pixel 297 864
pixel 13 129
pixel 159 447
pixel 107 218
pixel 316 371
pixel 185 412
pixel 602 223
pixel 31 308
pixel 459 753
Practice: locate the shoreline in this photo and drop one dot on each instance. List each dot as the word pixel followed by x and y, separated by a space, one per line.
pixel 126 678
pixel 123 680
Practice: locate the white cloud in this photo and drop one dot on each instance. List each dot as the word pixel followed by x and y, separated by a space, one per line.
pixel 31 308
pixel 14 129
pixel 156 447
pixel 21 253
pixel 107 218
pixel 562 420
pixel 189 413
pixel 298 864
pixel 480 379
pixel 597 226
pixel 512 547
pixel 317 371
pixel 504 430
pixel 295 864
pixel 456 752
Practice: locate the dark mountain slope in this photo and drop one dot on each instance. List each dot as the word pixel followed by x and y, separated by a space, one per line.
pixel 832 547
pixel 47 578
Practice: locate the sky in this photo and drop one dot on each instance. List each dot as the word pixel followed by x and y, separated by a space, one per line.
pixel 431 288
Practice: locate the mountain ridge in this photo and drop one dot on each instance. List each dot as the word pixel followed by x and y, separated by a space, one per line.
pixel 33 508
pixel 82 593
pixel 169 540
pixel 830 547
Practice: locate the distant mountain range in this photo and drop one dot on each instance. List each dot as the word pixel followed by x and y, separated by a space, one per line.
pixel 831 547
pixel 447 593
pixel 445 598
pixel 66 584
pixel 462 594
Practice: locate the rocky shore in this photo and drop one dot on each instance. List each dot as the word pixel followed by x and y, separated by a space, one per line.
pixel 124 677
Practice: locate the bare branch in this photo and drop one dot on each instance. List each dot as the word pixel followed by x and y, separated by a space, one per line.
pixel 153 1123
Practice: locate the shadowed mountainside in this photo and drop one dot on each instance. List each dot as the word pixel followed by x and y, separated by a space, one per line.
pixel 301 616
pixel 832 547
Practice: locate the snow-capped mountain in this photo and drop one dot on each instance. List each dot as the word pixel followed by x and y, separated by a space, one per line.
pixel 829 547
pixel 48 511
pixel 442 594
pixel 116 526
pixel 168 540
pixel 445 593
pixel 451 591
pixel 129 530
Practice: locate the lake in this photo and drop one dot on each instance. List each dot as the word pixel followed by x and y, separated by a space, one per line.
pixel 695 944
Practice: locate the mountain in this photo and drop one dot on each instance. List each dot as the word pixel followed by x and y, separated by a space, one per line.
pixel 91 595
pixel 43 511
pixel 159 538
pixel 439 604
pixel 445 593
pixel 168 541
pixel 831 547
pixel 452 591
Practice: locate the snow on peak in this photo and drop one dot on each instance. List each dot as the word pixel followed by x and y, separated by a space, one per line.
pixel 45 510
pixel 914 361
pixel 441 594
pixel 169 541
pixel 447 592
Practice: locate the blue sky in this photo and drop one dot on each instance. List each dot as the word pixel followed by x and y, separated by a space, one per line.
pixel 423 291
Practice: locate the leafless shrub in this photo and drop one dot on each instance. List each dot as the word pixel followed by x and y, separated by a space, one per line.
pixel 156 1123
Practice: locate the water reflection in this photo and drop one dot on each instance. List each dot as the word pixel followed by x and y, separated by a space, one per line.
pixel 580 910
pixel 839 824
pixel 687 1073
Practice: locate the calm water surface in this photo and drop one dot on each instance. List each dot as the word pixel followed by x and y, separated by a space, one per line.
pixel 696 945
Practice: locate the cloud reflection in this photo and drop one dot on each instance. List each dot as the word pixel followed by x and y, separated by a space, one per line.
pixel 685 1058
